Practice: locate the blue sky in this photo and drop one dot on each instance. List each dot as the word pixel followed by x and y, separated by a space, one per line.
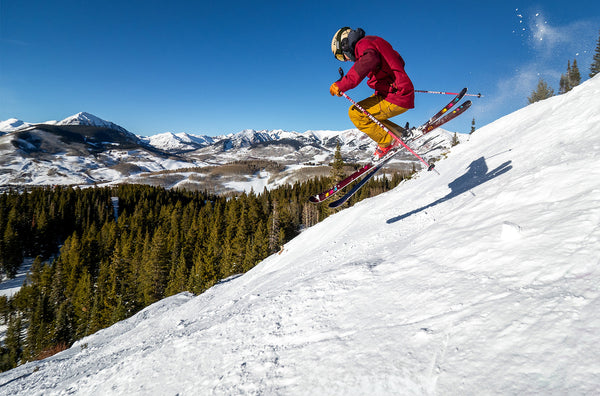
pixel 217 67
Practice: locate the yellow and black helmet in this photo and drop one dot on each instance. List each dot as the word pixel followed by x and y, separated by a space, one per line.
pixel 343 43
pixel 336 43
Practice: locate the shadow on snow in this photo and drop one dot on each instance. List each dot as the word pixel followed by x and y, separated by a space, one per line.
pixel 476 175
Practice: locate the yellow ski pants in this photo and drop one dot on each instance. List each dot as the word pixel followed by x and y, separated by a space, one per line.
pixel 381 110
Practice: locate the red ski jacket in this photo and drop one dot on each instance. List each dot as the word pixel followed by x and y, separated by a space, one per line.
pixel 376 59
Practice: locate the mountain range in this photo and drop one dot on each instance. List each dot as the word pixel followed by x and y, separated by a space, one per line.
pixel 84 149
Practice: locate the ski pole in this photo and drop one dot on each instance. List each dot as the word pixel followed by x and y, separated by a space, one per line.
pixel 447 93
pixel 376 121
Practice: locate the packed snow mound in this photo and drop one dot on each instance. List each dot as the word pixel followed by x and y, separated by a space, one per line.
pixel 483 280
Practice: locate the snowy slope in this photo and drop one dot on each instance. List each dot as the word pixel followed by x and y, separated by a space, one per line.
pixel 484 280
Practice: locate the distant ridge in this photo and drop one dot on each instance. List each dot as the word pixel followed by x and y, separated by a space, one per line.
pixel 84 149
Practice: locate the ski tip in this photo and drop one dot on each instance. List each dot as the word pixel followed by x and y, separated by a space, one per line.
pixel 314 199
pixel 335 204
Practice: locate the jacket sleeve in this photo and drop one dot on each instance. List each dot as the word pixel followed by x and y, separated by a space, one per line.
pixel 368 62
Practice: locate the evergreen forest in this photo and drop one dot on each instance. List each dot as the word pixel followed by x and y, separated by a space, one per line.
pixel 100 255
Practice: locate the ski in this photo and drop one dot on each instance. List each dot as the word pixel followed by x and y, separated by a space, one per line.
pixel 430 126
pixel 358 186
pixel 434 122
pixel 339 186
pixel 376 167
pixel 426 127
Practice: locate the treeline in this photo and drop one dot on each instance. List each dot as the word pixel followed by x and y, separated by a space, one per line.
pixel 95 267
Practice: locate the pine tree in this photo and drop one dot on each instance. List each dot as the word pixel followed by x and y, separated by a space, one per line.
pixel 563 85
pixel 13 342
pixel 574 75
pixel 595 66
pixel 178 276
pixel 337 166
pixel 112 282
pixel 11 252
pixel 310 215
pixel 258 248
pixel 472 126
pixel 543 91
pixel 455 140
pixel 155 269
pixel 82 305
pixel 565 80
pixel 233 245
pixel 204 274
pixel 207 256
pixel 63 324
pixel 571 79
pixel 274 225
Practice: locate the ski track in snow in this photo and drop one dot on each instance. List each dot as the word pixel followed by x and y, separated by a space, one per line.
pixel 483 280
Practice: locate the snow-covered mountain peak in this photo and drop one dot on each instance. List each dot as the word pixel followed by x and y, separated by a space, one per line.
pixel 12 124
pixel 81 118
pixel 84 118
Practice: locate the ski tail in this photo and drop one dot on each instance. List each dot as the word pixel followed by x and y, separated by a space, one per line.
pixel 447 117
pixel 358 186
pixel 443 111
pixel 339 186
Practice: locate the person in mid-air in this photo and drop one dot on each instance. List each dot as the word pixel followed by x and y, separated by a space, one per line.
pixel 375 58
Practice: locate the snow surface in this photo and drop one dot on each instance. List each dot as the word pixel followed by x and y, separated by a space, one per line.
pixel 256 183
pixel 484 280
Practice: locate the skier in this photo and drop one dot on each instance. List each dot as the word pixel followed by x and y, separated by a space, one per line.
pixel 375 58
